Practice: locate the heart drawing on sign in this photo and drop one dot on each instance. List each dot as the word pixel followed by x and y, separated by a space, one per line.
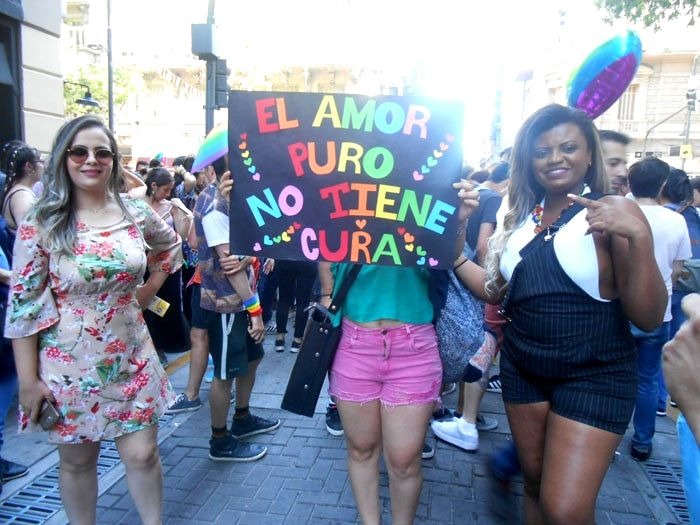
pixel 424 169
pixel 256 176
pixel 243 145
pixel 248 162
pixel 244 136
pixel 407 237
pixel 361 223
pixel 245 154
pixel 417 176
pixel 277 239
pixel 421 261
pixel 267 241
pixel 257 247
pixel 409 247
pixel 290 230
pixel 252 168
pixel 433 262
pixel 286 237
pixel 420 251
pixel 431 162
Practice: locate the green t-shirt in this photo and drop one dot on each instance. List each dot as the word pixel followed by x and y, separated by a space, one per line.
pixel 385 292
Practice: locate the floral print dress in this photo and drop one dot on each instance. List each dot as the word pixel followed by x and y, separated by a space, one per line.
pixel 95 352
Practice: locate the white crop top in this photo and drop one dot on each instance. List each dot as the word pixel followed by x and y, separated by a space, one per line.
pixel 574 250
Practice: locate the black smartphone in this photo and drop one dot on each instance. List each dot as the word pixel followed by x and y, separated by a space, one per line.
pixel 49 415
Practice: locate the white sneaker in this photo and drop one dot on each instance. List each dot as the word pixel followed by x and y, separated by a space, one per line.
pixel 456 432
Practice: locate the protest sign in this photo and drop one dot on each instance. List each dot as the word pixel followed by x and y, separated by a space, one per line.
pixel 344 178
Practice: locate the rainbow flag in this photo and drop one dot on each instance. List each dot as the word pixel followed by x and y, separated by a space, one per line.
pixel 215 146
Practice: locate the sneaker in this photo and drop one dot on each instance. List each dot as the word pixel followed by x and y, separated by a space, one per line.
pixel 209 376
pixel 251 425
pixel 333 424
pixel 428 451
pixel 296 346
pixel 228 448
pixel 494 384
pixel 271 328
pixel 454 433
pixel 184 404
pixel 10 470
pixel 279 345
pixel 448 388
pixel 639 454
pixel 484 423
pixel 673 403
pixel 661 412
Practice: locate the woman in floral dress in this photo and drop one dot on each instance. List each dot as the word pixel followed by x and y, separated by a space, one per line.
pixel 75 317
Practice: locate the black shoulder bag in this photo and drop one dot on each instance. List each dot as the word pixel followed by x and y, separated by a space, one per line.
pixel 316 354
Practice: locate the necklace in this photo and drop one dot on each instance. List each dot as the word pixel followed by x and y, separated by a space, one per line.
pixel 95 210
pixel 538 212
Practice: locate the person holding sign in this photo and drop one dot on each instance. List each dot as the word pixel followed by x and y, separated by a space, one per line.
pixel 572 267
pixel 387 375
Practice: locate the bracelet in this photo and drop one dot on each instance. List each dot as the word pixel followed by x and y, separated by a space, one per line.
pixel 325 295
pixel 252 305
pixel 460 264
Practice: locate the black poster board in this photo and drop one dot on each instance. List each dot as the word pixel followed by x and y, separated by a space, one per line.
pixel 344 178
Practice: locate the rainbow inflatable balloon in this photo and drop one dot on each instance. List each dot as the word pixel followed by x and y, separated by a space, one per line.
pixel 605 74
pixel 215 146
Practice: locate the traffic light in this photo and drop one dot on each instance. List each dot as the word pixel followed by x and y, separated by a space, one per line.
pixel 221 84
pixel 691 96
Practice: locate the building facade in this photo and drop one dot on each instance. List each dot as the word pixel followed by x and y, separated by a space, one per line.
pixel 31 91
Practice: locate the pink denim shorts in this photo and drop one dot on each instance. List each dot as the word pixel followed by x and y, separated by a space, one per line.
pixel 398 365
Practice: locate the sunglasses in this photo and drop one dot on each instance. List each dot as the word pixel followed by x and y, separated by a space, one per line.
pixel 80 154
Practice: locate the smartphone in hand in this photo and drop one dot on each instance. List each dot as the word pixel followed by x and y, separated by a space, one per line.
pixel 49 415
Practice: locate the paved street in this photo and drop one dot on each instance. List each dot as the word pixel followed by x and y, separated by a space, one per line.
pixel 303 477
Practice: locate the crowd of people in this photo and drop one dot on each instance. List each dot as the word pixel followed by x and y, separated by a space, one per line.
pixel 576 269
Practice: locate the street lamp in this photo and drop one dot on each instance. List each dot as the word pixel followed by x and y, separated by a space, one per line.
pixel 86 99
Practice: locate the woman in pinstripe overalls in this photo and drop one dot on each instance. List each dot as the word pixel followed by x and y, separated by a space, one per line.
pixel 572 271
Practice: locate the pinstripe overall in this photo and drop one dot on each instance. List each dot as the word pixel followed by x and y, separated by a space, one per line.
pixel 563 346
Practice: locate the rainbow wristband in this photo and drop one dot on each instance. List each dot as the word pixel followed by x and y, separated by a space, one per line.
pixel 252 305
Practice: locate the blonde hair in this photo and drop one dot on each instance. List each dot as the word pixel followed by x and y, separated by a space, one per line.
pixel 524 191
pixel 54 211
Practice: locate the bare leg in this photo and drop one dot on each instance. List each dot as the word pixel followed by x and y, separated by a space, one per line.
pixel 363 436
pixel 403 435
pixel 144 473
pixel 219 401
pixel 78 481
pixel 245 384
pixel 199 358
pixel 528 424
pixel 473 394
pixel 576 459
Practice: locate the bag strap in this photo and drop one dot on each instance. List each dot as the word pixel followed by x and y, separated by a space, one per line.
pixel 339 298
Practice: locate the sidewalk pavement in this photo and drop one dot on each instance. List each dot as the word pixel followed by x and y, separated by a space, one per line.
pixel 303 478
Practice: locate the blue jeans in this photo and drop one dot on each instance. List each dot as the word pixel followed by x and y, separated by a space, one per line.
pixel 678 319
pixel 690 459
pixel 649 345
pixel 8 382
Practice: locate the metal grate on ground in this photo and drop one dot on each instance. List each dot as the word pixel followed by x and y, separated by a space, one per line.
pixel 667 478
pixel 40 499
